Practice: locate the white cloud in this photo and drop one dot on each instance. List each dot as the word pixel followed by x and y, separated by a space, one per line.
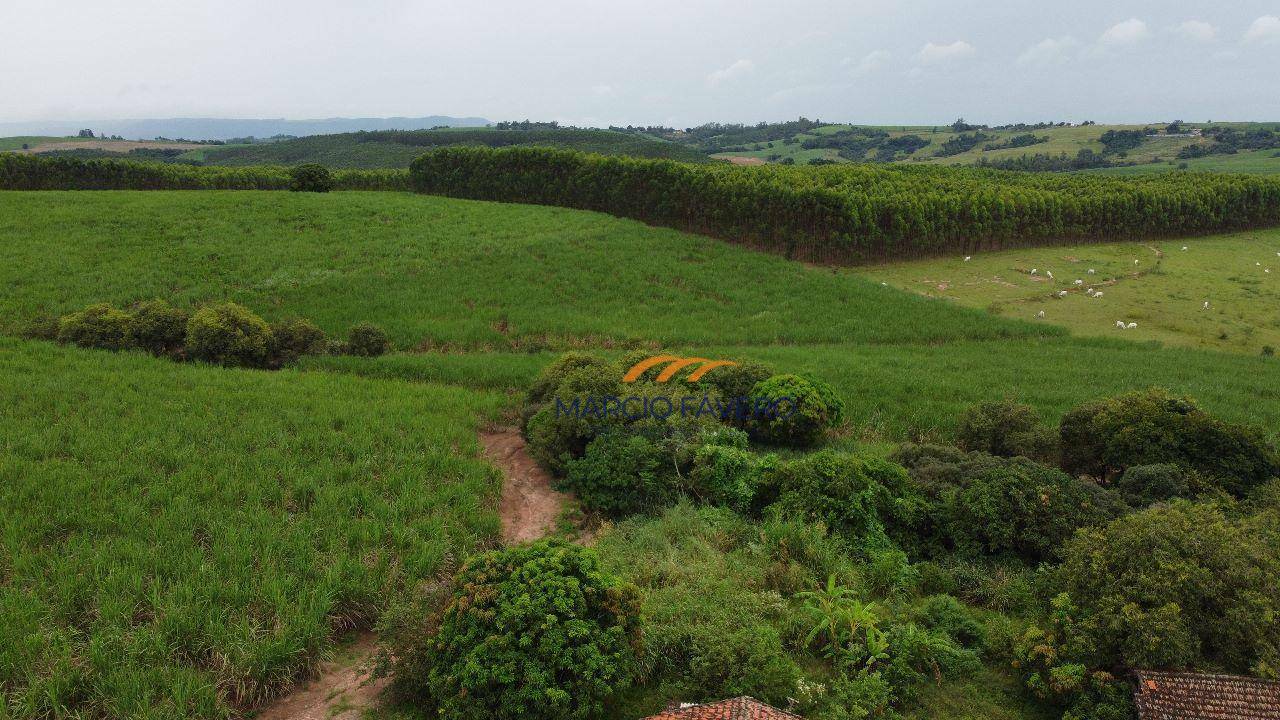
pixel 736 70
pixel 1050 51
pixel 933 54
pixel 602 90
pixel 1264 29
pixel 871 62
pixel 1197 31
pixel 1128 32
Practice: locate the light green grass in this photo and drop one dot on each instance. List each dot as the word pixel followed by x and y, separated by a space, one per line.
pixel 176 536
pixel 437 272
pixel 16 143
pixel 1164 293
pixel 1256 162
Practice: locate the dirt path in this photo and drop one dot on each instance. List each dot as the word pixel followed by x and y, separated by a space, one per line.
pixel 343 691
pixel 529 507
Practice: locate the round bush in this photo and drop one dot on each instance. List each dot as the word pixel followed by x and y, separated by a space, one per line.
pixel 534 632
pixel 860 498
pixel 295 338
pixel 228 334
pixel 97 326
pixel 1106 437
pixel 792 410
pixel 1007 429
pixel 310 177
pixel 366 340
pixel 622 473
pixel 1143 485
pixel 1022 508
pixel 1173 586
pixel 551 377
pixel 158 328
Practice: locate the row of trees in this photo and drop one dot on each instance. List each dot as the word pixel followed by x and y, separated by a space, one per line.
pixel 32 172
pixel 851 214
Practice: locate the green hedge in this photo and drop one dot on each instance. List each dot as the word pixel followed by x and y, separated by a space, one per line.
pixel 33 172
pixel 858 213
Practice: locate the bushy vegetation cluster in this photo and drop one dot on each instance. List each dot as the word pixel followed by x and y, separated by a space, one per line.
pixel 627 448
pixel 221 334
pixel 1140 532
pixel 851 213
pixel 1229 141
pixel 36 172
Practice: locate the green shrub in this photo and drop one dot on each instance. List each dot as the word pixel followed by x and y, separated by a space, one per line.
pixel 1143 485
pixel 40 327
pixel 159 328
pixel 727 475
pixel 1173 586
pixel 366 340
pixel 737 381
pixel 295 338
pixel 535 631
pixel 310 177
pixel 949 615
pixel 917 656
pixel 622 473
pixel 97 326
pixel 1106 437
pixel 552 376
pixel 863 499
pixel 1024 509
pixel 795 411
pixel 1006 429
pixel 228 334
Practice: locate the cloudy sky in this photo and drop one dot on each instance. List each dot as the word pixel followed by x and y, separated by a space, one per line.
pixel 596 62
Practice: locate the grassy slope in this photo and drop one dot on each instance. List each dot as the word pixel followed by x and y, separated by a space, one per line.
pixel 439 271
pixel 184 528
pixel 484 276
pixel 1164 293
pixel 343 151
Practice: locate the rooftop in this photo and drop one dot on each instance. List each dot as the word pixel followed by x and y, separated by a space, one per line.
pixel 1197 696
pixel 739 708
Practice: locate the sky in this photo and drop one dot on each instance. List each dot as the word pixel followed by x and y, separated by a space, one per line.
pixel 596 63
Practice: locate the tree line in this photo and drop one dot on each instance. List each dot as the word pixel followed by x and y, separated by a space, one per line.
pixel 849 214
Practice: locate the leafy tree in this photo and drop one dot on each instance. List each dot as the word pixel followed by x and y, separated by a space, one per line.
pixel 1105 437
pixel 310 177
pixel 1007 429
pixel 1172 586
pixel 792 410
pixel 535 631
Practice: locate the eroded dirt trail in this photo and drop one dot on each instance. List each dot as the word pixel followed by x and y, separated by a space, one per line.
pixel 530 507
pixel 343 691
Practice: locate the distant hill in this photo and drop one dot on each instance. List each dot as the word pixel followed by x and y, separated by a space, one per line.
pixel 227 129
pixel 396 149
pixel 1244 147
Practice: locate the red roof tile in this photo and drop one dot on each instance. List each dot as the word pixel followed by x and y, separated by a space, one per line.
pixel 739 708
pixel 1197 696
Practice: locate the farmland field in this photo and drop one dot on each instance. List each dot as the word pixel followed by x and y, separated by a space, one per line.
pixel 1164 291
pixel 192 538
pixel 177 537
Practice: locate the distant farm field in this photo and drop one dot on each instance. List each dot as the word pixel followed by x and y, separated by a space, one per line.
pixel 180 537
pixel 1157 285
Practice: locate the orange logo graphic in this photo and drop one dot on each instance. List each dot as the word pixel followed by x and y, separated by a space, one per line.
pixel 677 364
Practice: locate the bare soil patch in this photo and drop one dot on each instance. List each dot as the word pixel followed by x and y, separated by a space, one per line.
pixel 343 691
pixel 743 160
pixel 530 506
